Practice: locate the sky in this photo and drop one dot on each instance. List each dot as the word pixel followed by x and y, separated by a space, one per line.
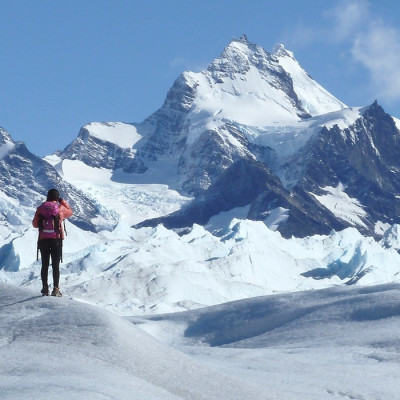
pixel 67 63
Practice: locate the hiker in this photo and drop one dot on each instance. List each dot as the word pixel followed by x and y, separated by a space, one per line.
pixel 48 218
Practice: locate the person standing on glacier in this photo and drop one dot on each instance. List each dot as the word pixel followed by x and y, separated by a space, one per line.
pixel 48 219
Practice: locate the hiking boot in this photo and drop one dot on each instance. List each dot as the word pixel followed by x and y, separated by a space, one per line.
pixel 45 291
pixel 56 292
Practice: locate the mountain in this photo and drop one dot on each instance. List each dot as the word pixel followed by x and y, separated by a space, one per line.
pixel 210 119
pixel 244 86
pixel 255 129
pixel 26 178
pixel 228 118
pixel 252 111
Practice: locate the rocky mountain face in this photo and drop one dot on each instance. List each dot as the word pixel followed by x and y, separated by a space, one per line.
pixel 26 178
pixel 253 129
pixel 360 159
pixel 364 159
pixel 250 182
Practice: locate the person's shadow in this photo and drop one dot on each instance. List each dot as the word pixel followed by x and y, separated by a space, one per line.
pixel 20 302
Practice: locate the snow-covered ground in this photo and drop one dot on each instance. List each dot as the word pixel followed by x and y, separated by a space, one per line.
pixel 61 349
pixel 338 343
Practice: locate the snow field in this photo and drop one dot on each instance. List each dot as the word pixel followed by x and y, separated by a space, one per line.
pixel 325 344
pixel 121 134
pixel 60 348
pixel 132 202
pixel 322 344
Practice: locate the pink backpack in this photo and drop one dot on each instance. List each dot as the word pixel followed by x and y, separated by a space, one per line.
pixel 49 220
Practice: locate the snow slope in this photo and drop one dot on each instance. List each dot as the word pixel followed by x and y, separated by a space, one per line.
pixel 132 202
pixel 287 139
pixel 341 205
pixel 317 345
pixel 123 135
pixel 58 348
pixel 313 97
pixel 338 343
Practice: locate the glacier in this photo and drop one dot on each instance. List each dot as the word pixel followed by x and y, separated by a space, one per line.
pixel 322 344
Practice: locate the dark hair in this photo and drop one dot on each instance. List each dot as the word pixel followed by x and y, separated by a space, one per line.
pixel 53 195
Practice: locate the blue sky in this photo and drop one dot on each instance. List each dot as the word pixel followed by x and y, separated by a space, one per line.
pixel 67 63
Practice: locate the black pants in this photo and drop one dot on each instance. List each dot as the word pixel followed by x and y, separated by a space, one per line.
pixel 53 248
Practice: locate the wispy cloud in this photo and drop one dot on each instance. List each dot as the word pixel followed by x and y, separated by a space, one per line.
pixel 181 63
pixel 373 43
pixel 378 49
pixel 348 19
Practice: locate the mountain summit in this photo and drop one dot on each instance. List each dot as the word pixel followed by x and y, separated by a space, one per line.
pixel 199 127
pixel 255 130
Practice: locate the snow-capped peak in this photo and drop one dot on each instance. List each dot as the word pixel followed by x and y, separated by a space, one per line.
pixel 248 85
pixel 238 56
pixel 245 84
